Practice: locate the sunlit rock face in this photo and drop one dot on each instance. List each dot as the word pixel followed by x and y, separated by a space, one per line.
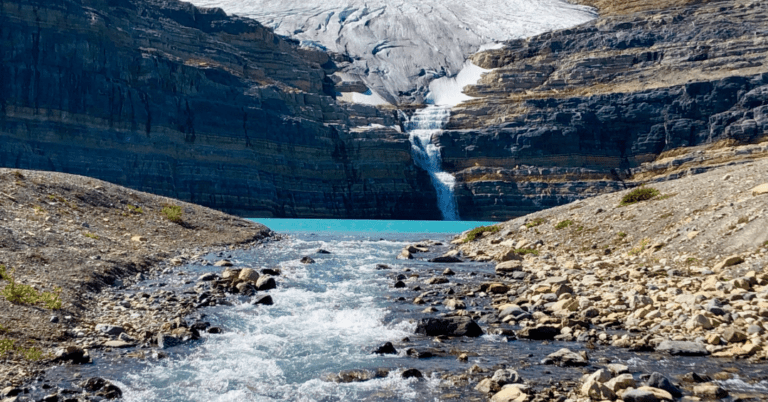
pixel 397 47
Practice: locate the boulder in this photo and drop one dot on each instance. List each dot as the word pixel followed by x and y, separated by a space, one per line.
pixel 638 395
pixel 437 280
pixel 412 373
pixel 487 386
pixel 72 354
pixel 596 390
pixel 385 349
pixel 732 335
pixel 498 288
pixel 165 341
pixel 223 263
pixel 263 300
pixel 658 380
pixel 539 333
pixel 621 382
pixel 728 262
pixel 307 260
pixel 760 190
pixel 506 376
pixel 509 267
pixel 449 326
pixel 118 344
pixel 709 390
pixel 566 358
pixel 248 275
pixel 266 283
pixel 510 393
pixel 446 259
pixel 111 330
pixel 454 304
pixel 682 348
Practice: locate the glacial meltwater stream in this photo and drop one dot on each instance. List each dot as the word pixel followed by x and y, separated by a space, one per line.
pixel 328 316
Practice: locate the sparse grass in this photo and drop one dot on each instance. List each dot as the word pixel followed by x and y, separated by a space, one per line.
pixel 535 222
pixel 639 194
pixel 477 232
pixel 579 228
pixel 564 224
pixel 26 294
pixel 172 213
pixel 525 251
pixel 665 197
pixel 667 215
pixel 691 261
pixel 92 236
pixel 135 209
pixel 18 175
pixel 622 235
pixel 39 210
pixel 9 346
pixel 640 248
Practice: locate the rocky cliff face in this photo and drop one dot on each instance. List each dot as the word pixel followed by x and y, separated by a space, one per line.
pixel 577 112
pixel 193 104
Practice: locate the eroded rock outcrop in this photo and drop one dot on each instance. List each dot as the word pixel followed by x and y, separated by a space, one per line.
pixel 191 103
pixel 577 112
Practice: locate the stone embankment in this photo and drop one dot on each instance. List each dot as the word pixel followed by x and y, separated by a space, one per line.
pixel 85 240
pixel 684 273
pixel 573 113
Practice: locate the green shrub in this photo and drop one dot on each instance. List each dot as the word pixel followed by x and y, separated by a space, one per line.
pixel 172 213
pixel 9 346
pixel 640 248
pixel 524 251
pixel 639 194
pixel 25 294
pixel 135 209
pixel 564 224
pixel 92 236
pixel 535 222
pixel 622 235
pixel 477 232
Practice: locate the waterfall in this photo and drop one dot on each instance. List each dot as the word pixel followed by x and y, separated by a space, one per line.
pixel 421 127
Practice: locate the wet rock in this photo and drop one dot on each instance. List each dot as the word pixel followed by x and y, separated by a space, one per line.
pixel 223 263
pixel 385 349
pixel 618 369
pixel 595 389
pixel 248 275
pixel 621 382
pixel 682 348
pixel 245 289
pixel 72 354
pixel 405 255
pixel 230 274
pixel 412 373
pixel 118 344
pixel 111 330
pixel 454 304
pixel 381 267
pixel 214 330
pixel 271 272
pixel 538 333
pixel 437 280
pixel 94 384
pixel 566 358
pixel 487 386
pixel 266 283
pixel 498 288
pixel 449 326
pixel 399 285
pixel 659 381
pixel 638 395
pixel 419 354
pixel 695 378
pixel 102 388
pixel 506 376
pixel 510 393
pixel 207 277
pixel 307 260
pixel 165 341
pixel 265 300
pixel 446 259
pixel 322 251
pixel 448 272
pixel 709 390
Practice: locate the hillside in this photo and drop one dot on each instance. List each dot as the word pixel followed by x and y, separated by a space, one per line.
pixel 81 235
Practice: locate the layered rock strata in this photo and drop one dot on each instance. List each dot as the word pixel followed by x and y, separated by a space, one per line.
pixel 576 112
pixel 193 104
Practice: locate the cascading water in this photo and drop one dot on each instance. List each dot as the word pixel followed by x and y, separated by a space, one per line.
pixel 422 126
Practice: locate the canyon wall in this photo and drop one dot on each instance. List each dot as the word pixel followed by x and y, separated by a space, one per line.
pixel 578 112
pixel 190 103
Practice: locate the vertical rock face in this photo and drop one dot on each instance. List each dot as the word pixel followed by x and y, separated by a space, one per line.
pixel 165 97
pixel 573 113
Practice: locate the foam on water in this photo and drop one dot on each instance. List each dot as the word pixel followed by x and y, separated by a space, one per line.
pixel 326 318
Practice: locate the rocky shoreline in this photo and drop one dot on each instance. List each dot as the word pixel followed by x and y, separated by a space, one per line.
pixel 87 241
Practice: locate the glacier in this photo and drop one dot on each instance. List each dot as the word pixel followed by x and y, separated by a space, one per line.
pixel 398 47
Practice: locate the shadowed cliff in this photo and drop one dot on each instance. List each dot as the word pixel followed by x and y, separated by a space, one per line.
pixel 193 104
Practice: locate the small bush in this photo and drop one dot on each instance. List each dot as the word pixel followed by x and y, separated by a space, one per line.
pixel 622 235
pixel 135 209
pixel 92 236
pixel 172 213
pixel 564 224
pixel 9 346
pixel 639 194
pixel 524 251
pixel 535 222
pixel 25 294
pixel 477 232
pixel 640 248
